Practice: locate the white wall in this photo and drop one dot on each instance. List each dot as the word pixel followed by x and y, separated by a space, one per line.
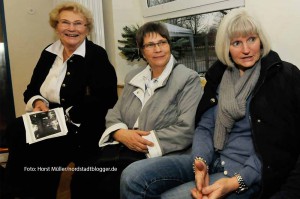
pixel 28 32
pixel 117 14
pixel 281 20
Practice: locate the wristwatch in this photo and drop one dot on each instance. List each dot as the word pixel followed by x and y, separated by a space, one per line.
pixel 242 186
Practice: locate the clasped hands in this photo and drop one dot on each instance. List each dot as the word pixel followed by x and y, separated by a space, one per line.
pixel 133 139
pixel 218 189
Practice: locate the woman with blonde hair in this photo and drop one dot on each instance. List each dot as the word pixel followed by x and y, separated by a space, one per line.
pixel 246 142
pixel 71 73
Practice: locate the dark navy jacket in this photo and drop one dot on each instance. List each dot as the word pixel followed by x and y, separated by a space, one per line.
pixel 275 120
pixel 90 87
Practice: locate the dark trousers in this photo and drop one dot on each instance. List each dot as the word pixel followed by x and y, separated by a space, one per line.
pixel 34 170
pixel 104 180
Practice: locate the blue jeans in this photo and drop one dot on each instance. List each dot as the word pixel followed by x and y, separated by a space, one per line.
pixel 183 191
pixel 215 173
pixel 169 177
pixel 149 178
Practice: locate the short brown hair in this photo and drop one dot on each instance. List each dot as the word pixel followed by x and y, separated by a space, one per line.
pixel 149 28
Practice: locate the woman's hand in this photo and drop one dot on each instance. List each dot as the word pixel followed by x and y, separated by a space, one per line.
pixel 220 188
pixel 39 105
pixel 133 139
pixel 201 179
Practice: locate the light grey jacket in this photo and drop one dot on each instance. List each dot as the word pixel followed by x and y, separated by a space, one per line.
pixel 170 112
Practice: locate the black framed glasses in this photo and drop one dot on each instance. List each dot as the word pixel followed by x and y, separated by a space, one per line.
pixel 151 45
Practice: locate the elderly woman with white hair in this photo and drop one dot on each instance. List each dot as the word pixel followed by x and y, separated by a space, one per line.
pixel 246 141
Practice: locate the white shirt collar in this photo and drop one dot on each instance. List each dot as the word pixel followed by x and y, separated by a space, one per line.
pixel 144 76
pixel 57 49
pixel 166 72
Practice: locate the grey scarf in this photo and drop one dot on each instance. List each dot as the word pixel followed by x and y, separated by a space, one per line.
pixel 233 93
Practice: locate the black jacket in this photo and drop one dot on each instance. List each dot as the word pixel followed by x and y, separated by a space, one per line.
pixel 275 119
pixel 90 87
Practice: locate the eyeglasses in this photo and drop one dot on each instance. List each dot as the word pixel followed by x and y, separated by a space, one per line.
pixel 76 24
pixel 151 46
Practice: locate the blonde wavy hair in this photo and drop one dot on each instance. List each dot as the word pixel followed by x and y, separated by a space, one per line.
pixel 238 23
pixel 71 6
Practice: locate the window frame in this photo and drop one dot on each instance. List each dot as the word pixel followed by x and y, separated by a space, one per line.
pixel 180 8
